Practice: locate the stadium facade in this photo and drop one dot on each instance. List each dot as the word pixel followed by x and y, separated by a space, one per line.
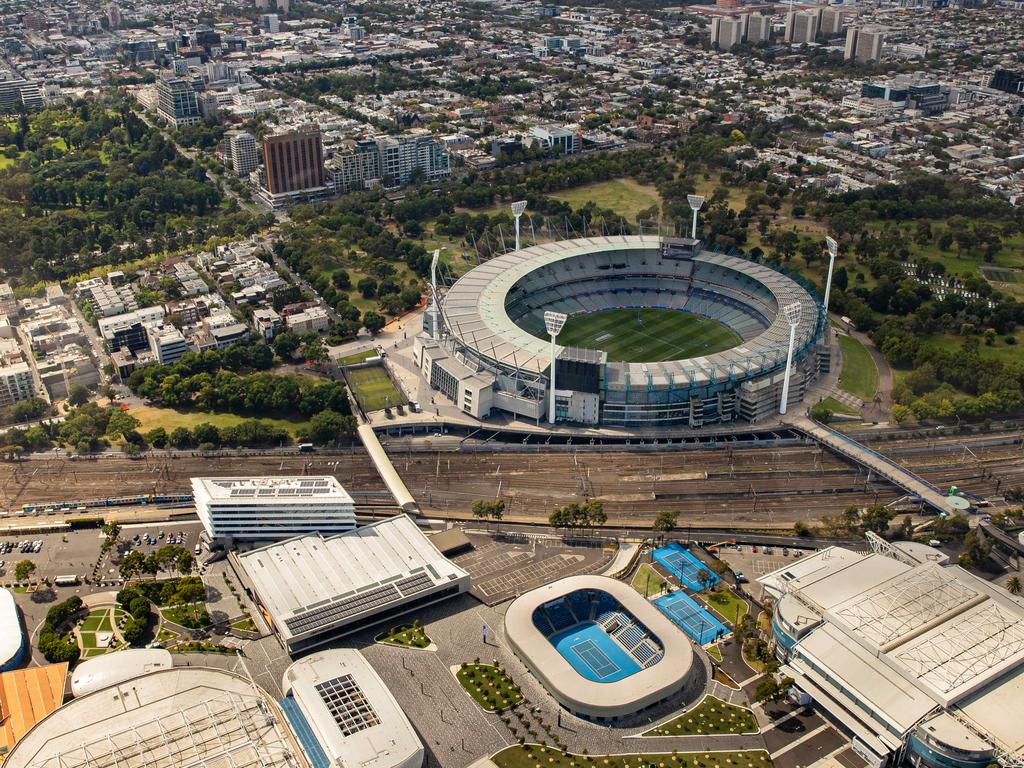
pixel 922 661
pixel 485 348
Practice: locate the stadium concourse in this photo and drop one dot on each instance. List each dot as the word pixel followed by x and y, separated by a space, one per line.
pixel 487 350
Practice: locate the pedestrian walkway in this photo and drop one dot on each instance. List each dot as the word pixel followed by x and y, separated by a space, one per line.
pixel 875 462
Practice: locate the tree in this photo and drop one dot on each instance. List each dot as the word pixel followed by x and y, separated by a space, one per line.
pixel 488 509
pixel 112 530
pixel 121 423
pixel 705 578
pixel 157 437
pixel 24 570
pixel 367 286
pixel 181 437
pixel 770 689
pixel 132 565
pixel 328 427
pixel 665 522
pixel 313 349
pixel 1013 586
pixel 876 519
pixel 373 322
pixel 77 395
pixel 285 344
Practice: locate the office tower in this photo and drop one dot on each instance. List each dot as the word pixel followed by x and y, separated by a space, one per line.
pixel 242 147
pixel 1008 81
pixel 271 23
pixel 831 21
pixel 176 101
pixel 114 19
pixel 294 161
pixel 402 157
pixel 801 26
pixel 284 5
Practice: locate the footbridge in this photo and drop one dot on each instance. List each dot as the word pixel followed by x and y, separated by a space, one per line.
pixel 873 461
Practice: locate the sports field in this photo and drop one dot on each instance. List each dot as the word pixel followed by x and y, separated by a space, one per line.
pixel 646 335
pixel 373 389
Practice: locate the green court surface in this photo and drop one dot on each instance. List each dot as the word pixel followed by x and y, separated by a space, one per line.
pixel 373 389
pixel 647 335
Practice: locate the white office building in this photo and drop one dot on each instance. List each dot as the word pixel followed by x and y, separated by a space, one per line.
pixel 167 343
pixel 316 589
pixel 271 508
pixel 343 714
pixel 241 146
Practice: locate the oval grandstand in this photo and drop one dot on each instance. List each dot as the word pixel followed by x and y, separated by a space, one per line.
pixel 489 351
pixel 12 635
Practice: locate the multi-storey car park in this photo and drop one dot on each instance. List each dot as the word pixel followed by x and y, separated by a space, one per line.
pixel 487 352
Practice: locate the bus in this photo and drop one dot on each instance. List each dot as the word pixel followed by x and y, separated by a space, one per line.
pixel 66 581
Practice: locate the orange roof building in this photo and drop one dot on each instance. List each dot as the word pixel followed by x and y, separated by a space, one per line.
pixel 26 697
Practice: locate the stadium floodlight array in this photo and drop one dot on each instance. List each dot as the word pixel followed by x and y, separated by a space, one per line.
pixel 696 202
pixel 435 332
pixel 517 210
pixel 792 314
pixel 833 251
pixel 553 322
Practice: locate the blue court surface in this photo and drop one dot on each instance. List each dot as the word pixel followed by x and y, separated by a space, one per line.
pixel 685 566
pixel 592 653
pixel 691 617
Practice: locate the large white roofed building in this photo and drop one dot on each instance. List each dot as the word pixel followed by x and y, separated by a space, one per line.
pixel 12 638
pixel 271 508
pixel 109 669
pixel 915 658
pixel 315 589
pixel 343 714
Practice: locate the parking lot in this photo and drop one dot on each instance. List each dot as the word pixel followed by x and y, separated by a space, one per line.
pixel 754 562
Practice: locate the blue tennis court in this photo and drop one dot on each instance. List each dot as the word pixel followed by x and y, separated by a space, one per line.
pixel 687 614
pixel 685 566
pixel 592 653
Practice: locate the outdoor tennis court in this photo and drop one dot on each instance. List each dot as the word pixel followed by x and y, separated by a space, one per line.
pixel 593 654
pixel 684 566
pixel 690 617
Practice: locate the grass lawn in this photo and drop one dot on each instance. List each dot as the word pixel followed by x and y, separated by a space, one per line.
pixel 245 625
pixel 859 376
pixel 624 196
pixel 1000 350
pixel 714 652
pixel 408 635
pixel 151 417
pixel 6 162
pixel 165 636
pixel 646 335
pixel 530 756
pixel 647 581
pixel 374 389
pixel 88 639
pixel 92 622
pixel 711 716
pixel 489 686
pixel 92 652
pixel 187 616
pixel 357 357
pixel 727 603
pixel 836 407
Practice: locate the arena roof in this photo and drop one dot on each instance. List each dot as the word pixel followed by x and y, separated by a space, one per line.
pixel 353 716
pixel 474 312
pixel 186 717
pixel 569 687
pixel 111 668
pixel 345 576
pixel 11 635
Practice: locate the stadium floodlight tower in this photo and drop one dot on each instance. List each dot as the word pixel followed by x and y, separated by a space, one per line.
pixel 833 251
pixel 553 321
pixel 792 314
pixel 435 331
pixel 696 202
pixel 517 210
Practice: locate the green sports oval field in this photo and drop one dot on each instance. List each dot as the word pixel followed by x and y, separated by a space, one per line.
pixel 646 335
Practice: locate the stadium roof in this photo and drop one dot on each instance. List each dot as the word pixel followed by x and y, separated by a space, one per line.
pixel 26 697
pixel 272 491
pixel 474 312
pixel 353 716
pixel 111 668
pixel 11 635
pixel 360 570
pixel 186 717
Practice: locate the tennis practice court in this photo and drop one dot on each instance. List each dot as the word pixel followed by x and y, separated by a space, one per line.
pixel 687 614
pixel 593 654
pixel 684 566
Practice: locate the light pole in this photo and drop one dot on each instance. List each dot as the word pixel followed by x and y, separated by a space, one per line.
pixel 833 251
pixel 517 210
pixel 553 321
pixel 792 313
pixel 695 201
pixel 435 332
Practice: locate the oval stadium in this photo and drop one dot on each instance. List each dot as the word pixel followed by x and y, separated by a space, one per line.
pixel 659 331
pixel 598 647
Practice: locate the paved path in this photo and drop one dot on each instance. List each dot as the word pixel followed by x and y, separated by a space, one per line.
pixel 875 462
